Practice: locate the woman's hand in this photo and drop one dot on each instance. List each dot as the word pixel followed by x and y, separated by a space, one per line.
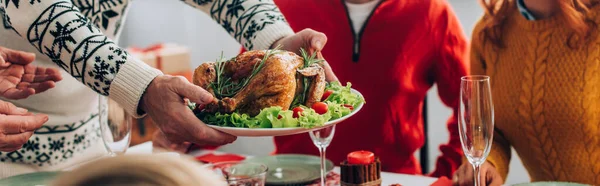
pixel 311 41
pixel 464 175
pixel 17 126
pixel 19 79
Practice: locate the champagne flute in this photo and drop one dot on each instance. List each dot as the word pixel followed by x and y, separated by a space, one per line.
pixel 476 121
pixel 322 138
pixel 115 126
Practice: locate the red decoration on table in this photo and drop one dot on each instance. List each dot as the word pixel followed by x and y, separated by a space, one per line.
pixel 212 158
pixel 442 181
pixel 361 158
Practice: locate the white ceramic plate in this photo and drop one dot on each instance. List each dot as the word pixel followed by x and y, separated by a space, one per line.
pixel 256 132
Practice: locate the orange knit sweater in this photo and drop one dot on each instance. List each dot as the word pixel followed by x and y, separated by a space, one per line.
pixel 546 96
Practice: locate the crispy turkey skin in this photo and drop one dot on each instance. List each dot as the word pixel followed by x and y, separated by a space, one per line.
pixel 276 84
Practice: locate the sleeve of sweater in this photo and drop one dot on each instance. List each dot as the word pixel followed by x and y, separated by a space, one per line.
pixel 450 65
pixel 58 29
pixel 500 153
pixel 256 24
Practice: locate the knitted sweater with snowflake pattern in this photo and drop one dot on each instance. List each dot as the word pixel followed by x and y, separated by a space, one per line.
pixel 79 36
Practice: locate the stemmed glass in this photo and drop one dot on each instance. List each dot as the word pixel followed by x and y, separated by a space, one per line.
pixel 115 126
pixel 322 138
pixel 476 120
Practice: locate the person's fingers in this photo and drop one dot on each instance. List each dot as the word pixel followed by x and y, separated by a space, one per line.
pixel 160 140
pixel 492 177
pixel 317 40
pixel 30 73
pixel 16 71
pixel 329 75
pixel 53 73
pixel 30 69
pixel 194 93
pixel 455 178
pixel 8 108
pixel 14 124
pixel 37 87
pixel 14 142
pixel 3 62
pixel 21 92
pixel 198 132
pixel 494 181
pixel 180 147
pixel 46 74
pixel 40 71
pixel 16 57
pixel 28 78
pixel 466 176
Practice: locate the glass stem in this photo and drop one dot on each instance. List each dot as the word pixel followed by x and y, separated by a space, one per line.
pixel 477 175
pixel 322 152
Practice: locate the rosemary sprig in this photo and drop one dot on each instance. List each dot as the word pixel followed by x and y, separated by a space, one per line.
pixel 225 87
pixel 308 61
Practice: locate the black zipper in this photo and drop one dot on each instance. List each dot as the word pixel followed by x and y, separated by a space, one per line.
pixel 357 37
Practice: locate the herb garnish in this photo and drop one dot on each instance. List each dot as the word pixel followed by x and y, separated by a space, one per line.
pixel 225 86
pixel 308 61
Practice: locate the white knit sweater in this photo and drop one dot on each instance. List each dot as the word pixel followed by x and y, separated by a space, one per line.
pixel 78 36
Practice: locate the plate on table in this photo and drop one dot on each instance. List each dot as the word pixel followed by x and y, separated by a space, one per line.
pixel 257 132
pixel 292 169
pixel 550 184
pixel 31 179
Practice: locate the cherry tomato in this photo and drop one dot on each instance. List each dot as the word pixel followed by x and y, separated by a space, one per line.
pixel 361 157
pixel 326 95
pixel 320 107
pixel 348 106
pixel 200 107
pixel 297 112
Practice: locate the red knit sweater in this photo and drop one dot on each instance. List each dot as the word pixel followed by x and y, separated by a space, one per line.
pixel 406 46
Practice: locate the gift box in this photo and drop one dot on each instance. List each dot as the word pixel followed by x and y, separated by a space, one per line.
pixel 171 59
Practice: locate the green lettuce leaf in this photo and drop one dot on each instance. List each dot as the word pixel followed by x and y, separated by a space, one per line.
pixel 337 110
pixel 310 119
pixel 343 94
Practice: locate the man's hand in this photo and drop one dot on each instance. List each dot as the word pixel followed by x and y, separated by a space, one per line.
pixel 311 41
pixel 160 141
pixel 464 175
pixel 19 79
pixel 17 126
pixel 164 102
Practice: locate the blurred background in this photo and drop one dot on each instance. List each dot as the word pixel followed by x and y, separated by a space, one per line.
pixel 158 21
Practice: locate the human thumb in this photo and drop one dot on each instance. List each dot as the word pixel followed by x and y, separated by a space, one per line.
pixel 317 40
pixel 193 92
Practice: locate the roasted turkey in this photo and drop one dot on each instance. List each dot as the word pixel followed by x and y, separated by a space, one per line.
pixel 277 80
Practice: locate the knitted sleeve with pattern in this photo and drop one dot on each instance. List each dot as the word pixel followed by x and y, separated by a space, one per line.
pixel 451 64
pixel 256 24
pixel 72 40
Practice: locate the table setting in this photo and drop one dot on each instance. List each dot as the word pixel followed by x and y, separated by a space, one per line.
pixel 314 107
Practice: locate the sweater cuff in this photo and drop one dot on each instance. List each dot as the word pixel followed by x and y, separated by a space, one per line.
pixel 272 33
pixel 130 84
